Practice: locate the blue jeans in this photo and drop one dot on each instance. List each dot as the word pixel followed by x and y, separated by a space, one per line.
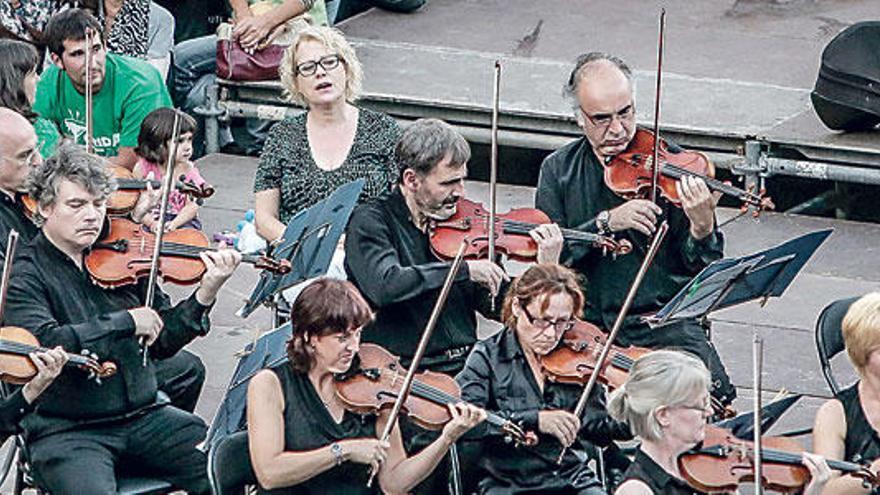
pixel 339 10
pixel 194 71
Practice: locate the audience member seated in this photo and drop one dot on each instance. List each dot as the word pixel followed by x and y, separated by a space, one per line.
pixel 124 89
pixel 82 431
pixel 154 143
pixel 334 142
pixel 847 426
pixel 26 19
pixel 19 62
pixel 340 10
pixel 301 437
pixel 195 60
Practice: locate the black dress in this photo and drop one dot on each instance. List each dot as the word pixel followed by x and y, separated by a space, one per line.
pixel 308 426
pixel 862 443
pixel 644 469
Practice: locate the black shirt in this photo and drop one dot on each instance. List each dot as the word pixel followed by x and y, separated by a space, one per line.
pixel 390 260
pixel 644 469
pixel 50 296
pixel 572 192
pixel 12 216
pixel 862 443
pixel 497 377
pixel 308 425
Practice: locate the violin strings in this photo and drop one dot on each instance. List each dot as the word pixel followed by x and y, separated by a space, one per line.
pixel 25 349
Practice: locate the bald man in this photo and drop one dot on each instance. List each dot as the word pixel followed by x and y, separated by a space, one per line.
pixel 19 152
pixel 572 191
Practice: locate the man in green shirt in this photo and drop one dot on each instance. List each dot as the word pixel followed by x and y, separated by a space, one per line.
pixel 124 89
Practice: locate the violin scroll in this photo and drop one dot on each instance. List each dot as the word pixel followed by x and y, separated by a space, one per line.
pixel 613 246
pixel 97 370
pixel 263 262
pixel 513 433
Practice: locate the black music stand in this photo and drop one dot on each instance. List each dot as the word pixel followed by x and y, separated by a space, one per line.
pixel 269 350
pixel 743 425
pixel 730 281
pixel 309 242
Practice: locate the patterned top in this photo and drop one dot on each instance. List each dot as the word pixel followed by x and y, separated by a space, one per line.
pixel 129 32
pixel 26 18
pixel 287 163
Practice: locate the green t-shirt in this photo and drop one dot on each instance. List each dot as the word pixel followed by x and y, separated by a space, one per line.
pixel 47 135
pixel 132 89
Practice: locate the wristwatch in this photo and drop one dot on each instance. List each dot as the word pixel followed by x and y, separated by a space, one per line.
pixel 336 449
pixel 602 220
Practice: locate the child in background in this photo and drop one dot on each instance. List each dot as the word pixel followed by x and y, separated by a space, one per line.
pixel 154 141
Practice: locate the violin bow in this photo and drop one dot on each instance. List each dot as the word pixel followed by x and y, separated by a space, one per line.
pixel 420 351
pixel 757 369
pixel 7 269
pixel 90 131
pixel 493 165
pixel 655 175
pixel 618 323
pixel 167 181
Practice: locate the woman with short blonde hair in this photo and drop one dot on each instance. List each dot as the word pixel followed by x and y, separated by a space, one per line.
pixel 333 142
pixel 847 426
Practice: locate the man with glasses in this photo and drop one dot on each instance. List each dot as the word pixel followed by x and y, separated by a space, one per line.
pixel 573 193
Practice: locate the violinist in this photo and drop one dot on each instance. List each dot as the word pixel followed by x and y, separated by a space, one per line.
pixel 19 153
pixel 572 192
pixel 20 403
pixel 388 254
pixel 847 426
pixel 504 373
pixel 300 435
pixel 665 401
pixel 81 430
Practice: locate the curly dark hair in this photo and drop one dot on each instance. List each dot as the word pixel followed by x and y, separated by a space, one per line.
pixel 70 24
pixel 326 306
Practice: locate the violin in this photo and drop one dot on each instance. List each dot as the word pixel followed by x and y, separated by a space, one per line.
pixel 629 174
pixel 471 222
pixel 124 255
pixel 16 366
pixel 574 359
pixel 723 461
pixel 128 191
pixel 373 383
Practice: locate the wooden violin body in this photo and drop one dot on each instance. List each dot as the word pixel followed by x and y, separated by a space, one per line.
pixel 724 462
pixel 374 384
pixel 629 174
pixel 123 256
pixel 471 222
pixel 129 188
pixel 16 366
pixel 574 359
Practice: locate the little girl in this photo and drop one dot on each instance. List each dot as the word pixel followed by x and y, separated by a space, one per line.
pixel 154 141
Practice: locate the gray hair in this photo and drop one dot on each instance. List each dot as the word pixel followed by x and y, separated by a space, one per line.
pixel 578 73
pixel 71 162
pixel 657 379
pixel 427 142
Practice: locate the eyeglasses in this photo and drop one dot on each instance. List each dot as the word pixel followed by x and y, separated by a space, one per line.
pixel 705 406
pixel 561 326
pixel 327 62
pixel 602 121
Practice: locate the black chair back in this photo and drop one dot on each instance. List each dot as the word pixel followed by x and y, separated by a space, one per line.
pixel 829 338
pixel 229 465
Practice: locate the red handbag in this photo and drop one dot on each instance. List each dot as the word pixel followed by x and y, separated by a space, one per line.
pixel 235 64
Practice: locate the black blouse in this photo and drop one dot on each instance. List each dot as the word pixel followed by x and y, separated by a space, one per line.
pixel 287 163
pixel 862 443
pixel 644 469
pixel 308 425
